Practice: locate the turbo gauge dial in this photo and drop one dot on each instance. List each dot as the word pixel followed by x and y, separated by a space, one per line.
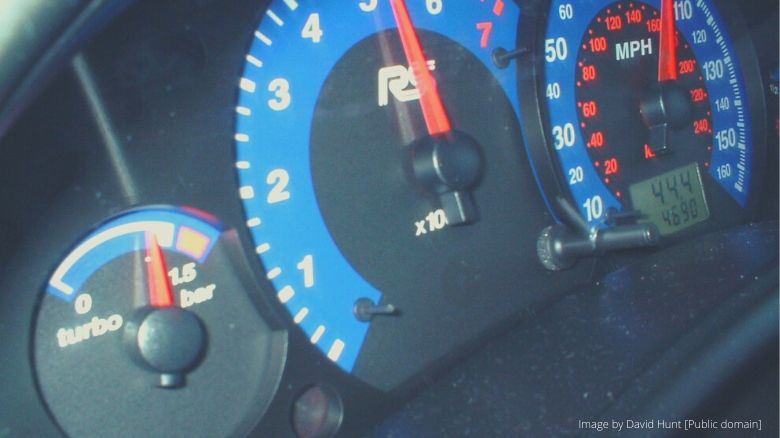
pixel 146 328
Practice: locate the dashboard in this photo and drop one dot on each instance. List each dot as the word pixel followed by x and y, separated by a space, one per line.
pixel 389 218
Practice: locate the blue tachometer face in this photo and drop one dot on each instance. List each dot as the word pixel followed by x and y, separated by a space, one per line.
pixel 620 132
pixel 318 76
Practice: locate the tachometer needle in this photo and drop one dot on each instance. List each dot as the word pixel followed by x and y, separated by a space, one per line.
pixel 435 115
pixel 667 58
pixel 160 289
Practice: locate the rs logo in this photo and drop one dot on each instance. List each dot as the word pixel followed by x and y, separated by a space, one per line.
pixel 399 81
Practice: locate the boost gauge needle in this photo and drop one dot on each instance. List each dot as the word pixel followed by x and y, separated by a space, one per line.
pixel 160 289
pixel 435 115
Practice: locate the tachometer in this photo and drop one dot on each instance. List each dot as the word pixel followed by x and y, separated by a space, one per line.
pixel 381 169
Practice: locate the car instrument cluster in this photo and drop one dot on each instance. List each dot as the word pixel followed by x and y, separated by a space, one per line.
pixel 403 178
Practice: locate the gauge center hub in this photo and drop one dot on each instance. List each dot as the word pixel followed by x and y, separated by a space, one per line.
pixel 170 340
pixel 667 104
pixel 447 162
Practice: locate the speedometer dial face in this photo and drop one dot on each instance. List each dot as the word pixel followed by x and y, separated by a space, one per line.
pixel 648 112
pixel 375 141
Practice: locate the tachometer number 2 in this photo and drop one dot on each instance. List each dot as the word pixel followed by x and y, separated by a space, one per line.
pixel 278 180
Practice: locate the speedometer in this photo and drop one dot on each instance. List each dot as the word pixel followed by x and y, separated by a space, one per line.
pixel 646 115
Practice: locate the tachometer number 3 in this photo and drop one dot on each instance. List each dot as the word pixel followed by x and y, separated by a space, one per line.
pixel 281 89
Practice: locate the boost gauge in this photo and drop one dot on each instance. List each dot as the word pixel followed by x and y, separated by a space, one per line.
pixel 146 328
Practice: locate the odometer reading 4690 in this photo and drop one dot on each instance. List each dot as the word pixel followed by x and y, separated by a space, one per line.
pixel 673 200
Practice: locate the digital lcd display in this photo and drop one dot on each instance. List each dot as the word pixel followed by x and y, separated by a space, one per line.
pixel 673 201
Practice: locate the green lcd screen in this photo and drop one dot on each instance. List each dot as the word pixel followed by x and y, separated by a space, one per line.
pixel 673 201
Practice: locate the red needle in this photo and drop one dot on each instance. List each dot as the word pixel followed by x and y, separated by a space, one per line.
pixel 160 290
pixel 436 119
pixel 667 58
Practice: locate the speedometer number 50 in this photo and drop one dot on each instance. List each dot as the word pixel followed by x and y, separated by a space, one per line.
pixel 555 49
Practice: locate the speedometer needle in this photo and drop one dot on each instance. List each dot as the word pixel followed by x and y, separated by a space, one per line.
pixel 160 289
pixel 667 107
pixel 667 58
pixel 435 115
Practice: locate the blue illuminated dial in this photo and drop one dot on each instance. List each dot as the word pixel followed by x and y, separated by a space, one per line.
pixel 624 109
pixel 319 76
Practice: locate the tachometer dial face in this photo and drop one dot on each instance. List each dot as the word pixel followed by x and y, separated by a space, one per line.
pixel 647 111
pixel 379 152
pixel 146 329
